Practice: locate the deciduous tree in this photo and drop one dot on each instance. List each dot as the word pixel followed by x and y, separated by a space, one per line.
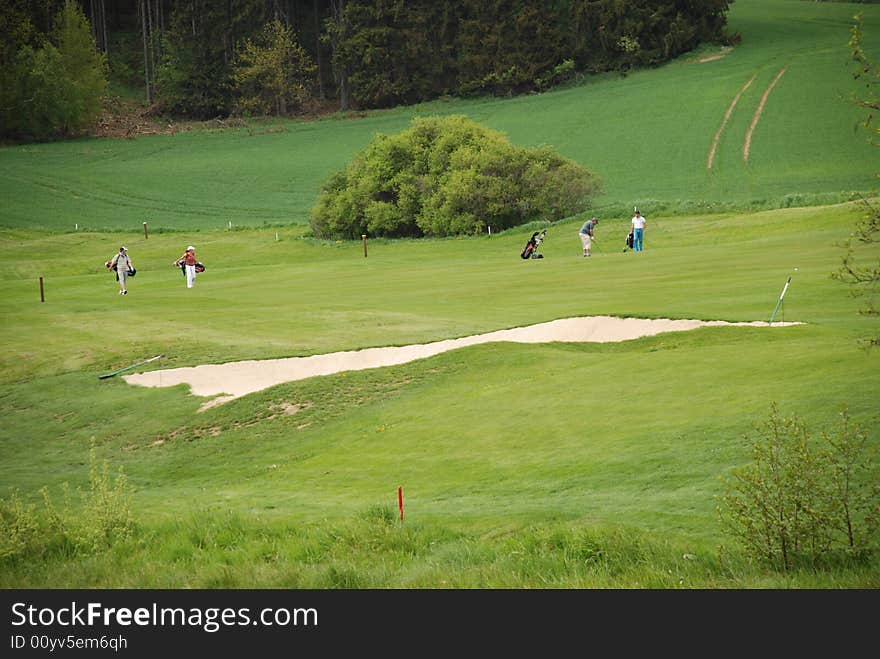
pixel 861 263
pixel 273 74
pixel 447 176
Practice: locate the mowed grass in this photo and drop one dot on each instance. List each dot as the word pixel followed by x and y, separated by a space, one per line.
pixel 518 463
pixel 555 465
pixel 647 135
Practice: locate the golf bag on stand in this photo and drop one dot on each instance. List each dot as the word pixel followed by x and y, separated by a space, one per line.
pixel 530 251
pixel 629 242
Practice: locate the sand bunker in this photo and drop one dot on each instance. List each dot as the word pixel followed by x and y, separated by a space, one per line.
pixel 225 382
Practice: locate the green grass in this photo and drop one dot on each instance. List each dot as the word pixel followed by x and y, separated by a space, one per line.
pixel 525 466
pixel 647 135
pixel 490 439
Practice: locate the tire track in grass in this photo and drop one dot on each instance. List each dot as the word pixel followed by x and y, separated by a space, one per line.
pixel 724 121
pixel 137 201
pixel 748 141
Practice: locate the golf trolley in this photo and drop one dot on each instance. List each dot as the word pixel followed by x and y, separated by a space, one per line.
pixel 530 251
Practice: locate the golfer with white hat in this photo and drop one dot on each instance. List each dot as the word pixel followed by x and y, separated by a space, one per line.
pixel 123 266
pixel 188 263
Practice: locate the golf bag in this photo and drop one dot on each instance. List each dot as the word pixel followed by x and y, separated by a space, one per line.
pixel 199 268
pixel 131 272
pixel 629 242
pixel 530 251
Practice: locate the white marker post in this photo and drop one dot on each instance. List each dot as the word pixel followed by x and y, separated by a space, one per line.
pixel 781 295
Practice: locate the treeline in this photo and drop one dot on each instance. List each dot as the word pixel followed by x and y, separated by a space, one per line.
pixel 203 59
pixel 404 52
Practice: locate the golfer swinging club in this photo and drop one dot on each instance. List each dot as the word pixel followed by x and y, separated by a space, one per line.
pixel 586 234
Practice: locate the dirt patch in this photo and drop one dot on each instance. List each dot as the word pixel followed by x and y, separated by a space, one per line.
pixel 289 409
pixel 713 58
pixel 126 118
pixel 226 382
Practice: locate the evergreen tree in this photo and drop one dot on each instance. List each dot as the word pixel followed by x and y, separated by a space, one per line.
pixel 84 71
pixel 55 89
pixel 195 76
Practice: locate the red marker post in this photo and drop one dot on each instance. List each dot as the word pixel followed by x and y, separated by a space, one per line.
pixel 400 501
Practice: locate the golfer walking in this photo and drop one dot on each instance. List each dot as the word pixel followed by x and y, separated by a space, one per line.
pixel 123 265
pixel 638 225
pixel 586 234
pixel 188 263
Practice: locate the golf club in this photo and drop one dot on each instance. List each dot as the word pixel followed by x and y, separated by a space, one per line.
pixel 121 370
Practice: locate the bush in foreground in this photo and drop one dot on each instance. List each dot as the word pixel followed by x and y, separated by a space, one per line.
pixel 799 503
pixel 104 518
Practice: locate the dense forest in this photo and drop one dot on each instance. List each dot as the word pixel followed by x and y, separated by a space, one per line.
pixel 202 59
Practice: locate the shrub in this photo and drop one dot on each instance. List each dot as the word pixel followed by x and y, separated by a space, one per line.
pixel 557 75
pixel 448 176
pixel 106 516
pixel 798 503
pixel 854 497
pixel 19 526
pixel 103 519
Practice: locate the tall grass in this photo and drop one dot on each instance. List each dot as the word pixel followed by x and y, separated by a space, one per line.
pixel 217 551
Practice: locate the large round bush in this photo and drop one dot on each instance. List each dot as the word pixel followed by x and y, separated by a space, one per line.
pixel 448 176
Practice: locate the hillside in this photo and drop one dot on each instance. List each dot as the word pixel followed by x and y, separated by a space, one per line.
pixel 648 135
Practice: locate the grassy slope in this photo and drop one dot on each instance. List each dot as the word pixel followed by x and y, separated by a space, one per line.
pixel 487 438
pixel 647 135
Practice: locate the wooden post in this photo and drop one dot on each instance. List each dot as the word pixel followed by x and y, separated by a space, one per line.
pixel 42 297
pixel 145 231
pixel 364 238
pixel 400 501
